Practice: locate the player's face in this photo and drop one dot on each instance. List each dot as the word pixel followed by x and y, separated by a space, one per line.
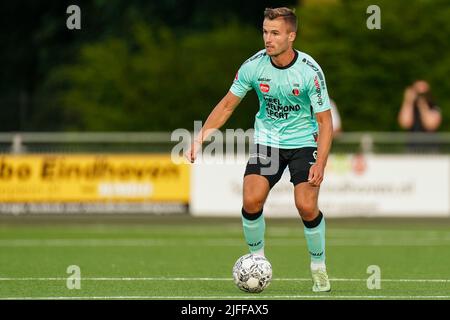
pixel 277 36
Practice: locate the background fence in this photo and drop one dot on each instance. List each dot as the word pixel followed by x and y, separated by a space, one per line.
pixel 368 174
pixel 157 142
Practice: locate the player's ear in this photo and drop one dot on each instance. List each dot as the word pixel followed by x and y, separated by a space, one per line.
pixel 292 36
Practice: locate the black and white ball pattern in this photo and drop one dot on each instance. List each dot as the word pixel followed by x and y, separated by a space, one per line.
pixel 252 273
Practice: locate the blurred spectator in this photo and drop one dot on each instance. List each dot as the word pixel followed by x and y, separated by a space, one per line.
pixel 337 126
pixel 419 113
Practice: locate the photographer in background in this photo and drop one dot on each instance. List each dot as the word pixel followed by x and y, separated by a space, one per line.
pixel 419 113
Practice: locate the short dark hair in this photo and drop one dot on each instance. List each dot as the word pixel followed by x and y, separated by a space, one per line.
pixel 287 14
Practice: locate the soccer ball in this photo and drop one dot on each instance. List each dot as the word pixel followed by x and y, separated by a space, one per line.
pixel 252 273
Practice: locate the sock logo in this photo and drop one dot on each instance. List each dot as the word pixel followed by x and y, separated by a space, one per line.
pixel 314 254
pixel 255 243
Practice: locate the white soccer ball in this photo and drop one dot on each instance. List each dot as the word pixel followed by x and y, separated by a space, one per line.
pixel 252 273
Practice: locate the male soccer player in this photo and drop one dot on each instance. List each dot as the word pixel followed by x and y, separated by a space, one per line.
pixel 293 129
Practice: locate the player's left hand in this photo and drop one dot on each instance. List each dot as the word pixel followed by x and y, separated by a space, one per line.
pixel 315 176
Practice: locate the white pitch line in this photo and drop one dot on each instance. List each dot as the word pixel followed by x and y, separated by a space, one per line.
pixel 207 279
pixel 227 297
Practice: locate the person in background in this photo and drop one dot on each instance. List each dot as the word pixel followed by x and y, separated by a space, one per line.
pixel 419 113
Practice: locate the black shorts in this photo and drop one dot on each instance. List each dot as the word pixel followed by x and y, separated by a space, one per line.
pixel 270 163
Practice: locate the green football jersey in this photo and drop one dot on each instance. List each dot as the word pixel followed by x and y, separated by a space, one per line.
pixel 288 97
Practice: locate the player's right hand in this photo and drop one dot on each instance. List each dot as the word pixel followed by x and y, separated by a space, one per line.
pixel 191 153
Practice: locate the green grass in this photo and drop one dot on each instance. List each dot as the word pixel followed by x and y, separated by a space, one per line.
pixel 188 258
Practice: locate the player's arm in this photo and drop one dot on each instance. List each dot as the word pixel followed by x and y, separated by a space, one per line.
pixel 320 102
pixel 216 119
pixel 324 141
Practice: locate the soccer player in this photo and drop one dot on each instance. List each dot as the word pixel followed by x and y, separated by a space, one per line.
pixel 293 128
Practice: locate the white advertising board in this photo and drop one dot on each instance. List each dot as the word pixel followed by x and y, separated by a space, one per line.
pixel 354 186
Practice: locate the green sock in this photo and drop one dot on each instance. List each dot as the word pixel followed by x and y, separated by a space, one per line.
pixel 315 238
pixel 254 227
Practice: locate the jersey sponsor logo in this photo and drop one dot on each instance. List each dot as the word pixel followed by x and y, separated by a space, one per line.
pixel 295 92
pixel 275 110
pixel 264 79
pixel 318 91
pixel 264 87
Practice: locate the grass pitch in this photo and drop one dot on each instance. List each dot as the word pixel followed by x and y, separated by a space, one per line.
pixel 177 257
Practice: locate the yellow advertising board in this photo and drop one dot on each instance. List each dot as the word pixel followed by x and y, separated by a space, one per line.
pixel 92 178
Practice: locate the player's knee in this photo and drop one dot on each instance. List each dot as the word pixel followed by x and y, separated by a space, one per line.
pixel 307 210
pixel 253 205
